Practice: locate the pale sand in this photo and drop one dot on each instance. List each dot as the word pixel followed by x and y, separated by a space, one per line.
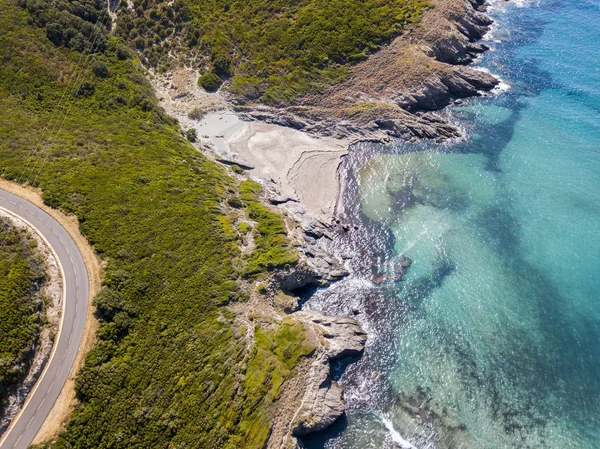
pixel 303 168
pixel 66 402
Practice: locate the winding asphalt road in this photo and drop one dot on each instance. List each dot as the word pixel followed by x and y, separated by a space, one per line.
pixel 76 282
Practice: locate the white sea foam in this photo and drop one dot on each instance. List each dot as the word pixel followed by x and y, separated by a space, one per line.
pixel 502 87
pixel 396 437
pixel 495 5
pixel 492 34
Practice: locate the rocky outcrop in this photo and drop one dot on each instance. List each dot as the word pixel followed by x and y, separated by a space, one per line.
pixel 295 279
pixel 343 336
pixel 440 91
pixel 395 92
pixel 322 403
pixel 458 46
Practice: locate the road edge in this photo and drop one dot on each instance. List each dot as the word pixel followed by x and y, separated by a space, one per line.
pixel 31 228
pixel 66 402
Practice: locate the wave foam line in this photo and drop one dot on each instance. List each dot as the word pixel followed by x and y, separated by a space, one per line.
pixel 395 435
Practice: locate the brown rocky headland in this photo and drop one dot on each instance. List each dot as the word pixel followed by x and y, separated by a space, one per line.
pixel 396 90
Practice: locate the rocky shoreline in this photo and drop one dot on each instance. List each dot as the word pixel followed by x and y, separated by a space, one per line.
pixel 396 91
pixel 295 152
pixel 322 402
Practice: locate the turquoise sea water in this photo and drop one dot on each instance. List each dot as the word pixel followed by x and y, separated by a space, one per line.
pixel 492 338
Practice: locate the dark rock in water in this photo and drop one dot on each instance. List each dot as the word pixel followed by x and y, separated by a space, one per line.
pixel 399 272
pixel 338 274
pixel 405 261
pixel 379 278
pixel 446 429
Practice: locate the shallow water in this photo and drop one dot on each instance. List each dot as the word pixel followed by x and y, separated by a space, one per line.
pixel 492 338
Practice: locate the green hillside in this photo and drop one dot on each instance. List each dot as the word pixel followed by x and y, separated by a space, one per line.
pixel 275 50
pixel 169 369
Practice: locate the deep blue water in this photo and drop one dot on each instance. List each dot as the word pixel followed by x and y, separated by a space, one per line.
pixel 492 339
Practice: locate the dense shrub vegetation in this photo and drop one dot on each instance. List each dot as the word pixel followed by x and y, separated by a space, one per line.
pixel 81 25
pixel 210 81
pixel 275 49
pixel 21 275
pixel 170 368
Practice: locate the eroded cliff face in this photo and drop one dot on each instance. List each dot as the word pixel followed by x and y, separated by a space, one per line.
pixel 313 401
pixel 322 403
pixel 394 91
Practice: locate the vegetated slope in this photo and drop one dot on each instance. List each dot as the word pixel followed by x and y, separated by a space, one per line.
pixel 21 276
pixel 169 369
pixel 275 50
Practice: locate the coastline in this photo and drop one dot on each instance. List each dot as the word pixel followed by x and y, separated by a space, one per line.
pixel 296 153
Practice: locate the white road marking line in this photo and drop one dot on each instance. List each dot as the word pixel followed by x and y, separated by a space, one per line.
pixel 42 217
pixel 38 407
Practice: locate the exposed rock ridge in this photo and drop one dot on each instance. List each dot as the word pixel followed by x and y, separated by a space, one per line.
pixel 395 92
pixel 322 403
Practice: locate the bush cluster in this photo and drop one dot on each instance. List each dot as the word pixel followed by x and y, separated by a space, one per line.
pixel 21 274
pixel 210 82
pixel 275 50
pixel 81 25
